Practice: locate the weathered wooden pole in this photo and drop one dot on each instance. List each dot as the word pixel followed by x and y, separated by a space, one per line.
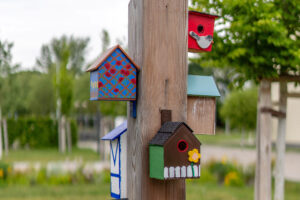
pixel 263 143
pixel 280 145
pixel 158 44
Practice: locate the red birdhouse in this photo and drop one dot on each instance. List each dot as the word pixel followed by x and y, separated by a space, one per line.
pixel 200 31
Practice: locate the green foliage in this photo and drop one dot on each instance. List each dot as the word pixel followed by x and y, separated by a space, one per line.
pixel 40 96
pixel 4 170
pixel 240 108
pixel 259 39
pixel 6 68
pixel 105 40
pixel 36 132
pixel 228 174
pixel 64 52
pixel 64 59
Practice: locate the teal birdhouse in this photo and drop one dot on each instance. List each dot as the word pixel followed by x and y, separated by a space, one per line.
pixel 202 92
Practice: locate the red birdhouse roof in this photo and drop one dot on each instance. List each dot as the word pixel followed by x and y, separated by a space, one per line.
pixel 203 14
pixel 105 55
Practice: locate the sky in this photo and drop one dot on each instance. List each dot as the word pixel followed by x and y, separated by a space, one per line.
pixel 31 23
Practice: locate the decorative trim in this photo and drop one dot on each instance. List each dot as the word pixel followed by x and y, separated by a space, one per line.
pixel 116 99
pixel 114 156
pixel 177 172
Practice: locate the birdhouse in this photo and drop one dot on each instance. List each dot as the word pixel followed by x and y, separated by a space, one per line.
pixel 113 76
pixel 174 152
pixel 201 107
pixel 118 159
pixel 200 31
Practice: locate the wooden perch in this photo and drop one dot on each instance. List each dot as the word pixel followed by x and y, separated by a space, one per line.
pixel 293 94
pixel 285 78
pixel 273 112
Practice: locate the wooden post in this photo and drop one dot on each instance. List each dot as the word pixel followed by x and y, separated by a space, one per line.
pixel 63 134
pixel 263 144
pixel 69 136
pixel 280 145
pixel 98 124
pixel 158 44
pixel 5 134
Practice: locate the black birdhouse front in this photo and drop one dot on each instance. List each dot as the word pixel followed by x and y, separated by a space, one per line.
pixel 174 152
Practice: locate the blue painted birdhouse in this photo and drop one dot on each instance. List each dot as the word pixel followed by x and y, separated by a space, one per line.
pixel 113 76
pixel 201 109
pixel 118 159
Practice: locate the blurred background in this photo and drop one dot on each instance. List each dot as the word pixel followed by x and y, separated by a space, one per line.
pixel 49 144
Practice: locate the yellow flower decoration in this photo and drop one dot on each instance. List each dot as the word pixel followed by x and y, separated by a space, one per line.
pixel 194 155
pixel 1 173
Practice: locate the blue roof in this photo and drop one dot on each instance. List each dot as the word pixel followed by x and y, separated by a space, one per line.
pixel 202 86
pixel 117 132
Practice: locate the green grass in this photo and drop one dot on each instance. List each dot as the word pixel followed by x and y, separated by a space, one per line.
pixel 45 155
pixel 61 192
pixel 232 139
pixel 195 190
pixel 198 189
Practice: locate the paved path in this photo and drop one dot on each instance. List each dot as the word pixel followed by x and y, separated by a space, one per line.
pixel 244 157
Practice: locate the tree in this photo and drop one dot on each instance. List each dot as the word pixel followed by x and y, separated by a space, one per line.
pixel 6 68
pixel 65 52
pixel 240 108
pixel 260 40
pixel 105 39
pixel 257 38
pixel 64 59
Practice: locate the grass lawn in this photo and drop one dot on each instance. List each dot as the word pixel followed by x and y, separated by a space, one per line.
pixel 45 155
pixel 61 192
pixel 232 139
pixel 195 190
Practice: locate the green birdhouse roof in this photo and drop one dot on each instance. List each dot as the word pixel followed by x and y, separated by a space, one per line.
pixel 202 86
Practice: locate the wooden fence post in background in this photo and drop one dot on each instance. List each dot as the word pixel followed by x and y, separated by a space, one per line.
pixel 158 44
pixel 280 145
pixel 63 135
pixel 5 134
pixel 69 136
pixel 263 144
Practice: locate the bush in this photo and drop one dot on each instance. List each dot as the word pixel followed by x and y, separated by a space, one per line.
pixel 36 132
pixel 227 173
pixel 240 108
pixel 4 170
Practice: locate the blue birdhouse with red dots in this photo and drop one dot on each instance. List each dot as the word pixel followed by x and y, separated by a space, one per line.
pixel 113 76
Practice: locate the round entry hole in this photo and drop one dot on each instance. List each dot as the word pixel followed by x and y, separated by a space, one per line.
pixel 182 146
pixel 200 28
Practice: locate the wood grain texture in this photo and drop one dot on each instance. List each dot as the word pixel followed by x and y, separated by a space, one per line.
pixel 263 144
pixel 158 44
pixel 201 114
